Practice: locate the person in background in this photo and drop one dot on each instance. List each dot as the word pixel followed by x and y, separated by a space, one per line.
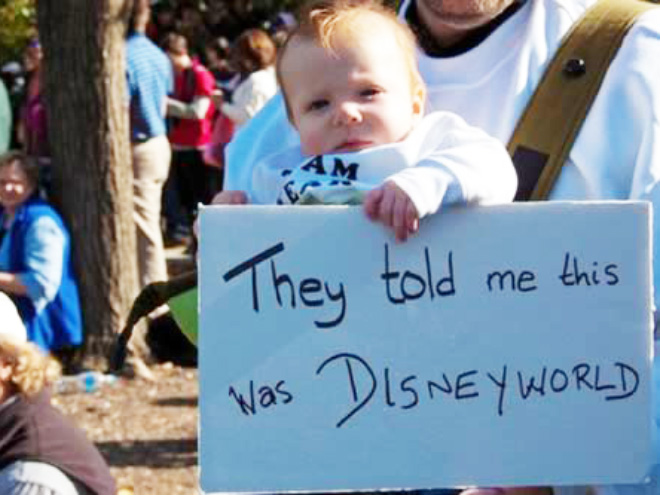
pixel 190 24
pixel 163 22
pixel 32 129
pixel 217 56
pixel 5 118
pixel 483 59
pixel 36 268
pixel 191 112
pixel 41 451
pixel 228 19
pixel 281 27
pixel 149 81
pixel 217 53
pixel 253 55
pixel 14 80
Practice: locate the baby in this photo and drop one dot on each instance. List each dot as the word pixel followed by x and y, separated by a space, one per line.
pixel 352 90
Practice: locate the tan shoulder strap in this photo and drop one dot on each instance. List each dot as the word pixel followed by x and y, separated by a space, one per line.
pixel 546 131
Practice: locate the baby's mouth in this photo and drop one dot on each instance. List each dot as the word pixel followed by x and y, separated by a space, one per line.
pixel 352 145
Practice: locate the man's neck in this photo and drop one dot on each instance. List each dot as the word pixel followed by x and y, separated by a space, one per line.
pixel 452 44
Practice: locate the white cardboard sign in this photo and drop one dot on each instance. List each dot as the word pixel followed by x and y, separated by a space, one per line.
pixel 500 346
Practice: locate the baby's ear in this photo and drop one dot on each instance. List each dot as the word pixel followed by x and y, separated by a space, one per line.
pixel 418 102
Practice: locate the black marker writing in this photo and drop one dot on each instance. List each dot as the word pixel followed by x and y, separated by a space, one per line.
pixel 309 292
pixel 409 285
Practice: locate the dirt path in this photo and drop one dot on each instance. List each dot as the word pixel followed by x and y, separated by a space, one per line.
pixel 147 431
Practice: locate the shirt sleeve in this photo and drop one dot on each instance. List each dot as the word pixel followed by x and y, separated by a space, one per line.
pixel 195 110
pixel 242 98
pixel 204 83
pixel 199 106
pixel 249 97
pixel 456 164
pixel 44 261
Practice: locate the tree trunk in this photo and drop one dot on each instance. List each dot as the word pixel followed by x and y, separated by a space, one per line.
pixel 84 84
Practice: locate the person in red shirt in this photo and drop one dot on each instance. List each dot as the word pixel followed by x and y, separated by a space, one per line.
pixel 191 115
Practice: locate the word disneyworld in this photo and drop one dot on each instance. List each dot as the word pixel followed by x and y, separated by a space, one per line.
pixel 404 391
pixel 388 388
pixel 429 279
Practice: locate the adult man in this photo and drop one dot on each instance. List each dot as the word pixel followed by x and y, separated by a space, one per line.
pixel 482 59
pixel 150 80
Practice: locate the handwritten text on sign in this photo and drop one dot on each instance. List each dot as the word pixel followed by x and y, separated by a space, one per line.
pixel 334 358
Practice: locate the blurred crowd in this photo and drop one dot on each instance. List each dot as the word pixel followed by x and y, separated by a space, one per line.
pixel 196 71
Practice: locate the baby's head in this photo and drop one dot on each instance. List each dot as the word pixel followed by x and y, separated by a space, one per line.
pixel 349 78
pixel 24 368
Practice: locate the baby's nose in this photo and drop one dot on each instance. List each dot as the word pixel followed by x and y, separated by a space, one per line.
pixel 348 113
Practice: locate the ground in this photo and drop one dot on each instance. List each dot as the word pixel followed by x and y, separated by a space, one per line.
pixel 147 431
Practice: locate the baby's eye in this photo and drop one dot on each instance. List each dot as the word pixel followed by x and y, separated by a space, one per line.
pixel 317 105
pixel 370 92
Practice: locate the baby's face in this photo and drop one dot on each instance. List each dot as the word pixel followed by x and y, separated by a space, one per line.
pixel 358 97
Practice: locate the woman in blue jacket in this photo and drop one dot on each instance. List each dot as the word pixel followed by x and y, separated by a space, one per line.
pixel 35 258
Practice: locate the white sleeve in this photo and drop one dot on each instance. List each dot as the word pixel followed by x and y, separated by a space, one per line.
pixel 195 110
pixel 249 97
pixel 457 164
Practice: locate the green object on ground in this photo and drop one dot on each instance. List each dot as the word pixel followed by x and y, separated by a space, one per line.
pixel 184 310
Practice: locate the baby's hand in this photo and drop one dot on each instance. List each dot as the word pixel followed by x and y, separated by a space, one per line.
pixel 230 198
pixel 390 205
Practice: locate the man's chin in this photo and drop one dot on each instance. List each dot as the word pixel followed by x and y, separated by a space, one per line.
pixel 462 23
pixel 460 16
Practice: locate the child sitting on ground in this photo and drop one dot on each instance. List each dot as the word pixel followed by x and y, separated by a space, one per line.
pixel 41 451
pixel 349 78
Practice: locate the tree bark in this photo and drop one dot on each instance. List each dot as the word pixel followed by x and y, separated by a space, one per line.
pixel 84 85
